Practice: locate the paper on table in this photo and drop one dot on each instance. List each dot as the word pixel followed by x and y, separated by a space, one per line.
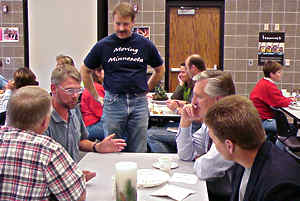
pixel 174 192
pixel 185 178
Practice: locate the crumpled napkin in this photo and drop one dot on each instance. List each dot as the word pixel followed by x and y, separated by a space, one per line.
pixel 173 192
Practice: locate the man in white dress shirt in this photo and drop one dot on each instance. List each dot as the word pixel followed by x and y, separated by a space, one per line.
pixel 209 165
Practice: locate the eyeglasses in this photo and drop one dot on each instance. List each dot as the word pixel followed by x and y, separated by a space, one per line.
pixel 72 91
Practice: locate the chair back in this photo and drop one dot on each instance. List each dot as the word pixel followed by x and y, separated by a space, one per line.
pixel 283 127
pixel 2 118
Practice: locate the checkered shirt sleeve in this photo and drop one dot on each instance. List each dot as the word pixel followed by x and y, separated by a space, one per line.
pixel 65 179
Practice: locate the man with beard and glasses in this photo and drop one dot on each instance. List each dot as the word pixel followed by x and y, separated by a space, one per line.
pixel 124 56
pixel 66 125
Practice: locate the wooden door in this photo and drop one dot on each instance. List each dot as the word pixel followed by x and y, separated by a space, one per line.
pixel 193 34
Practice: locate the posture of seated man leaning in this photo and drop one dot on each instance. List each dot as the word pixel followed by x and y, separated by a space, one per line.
pixel 33 166
pixel 183 92
pixel 262 171
pixel 91 109
pixel 265 95
pixel 66 125
pixel 210 87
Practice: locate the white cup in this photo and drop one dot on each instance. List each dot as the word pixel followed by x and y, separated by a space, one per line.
pixel 165 164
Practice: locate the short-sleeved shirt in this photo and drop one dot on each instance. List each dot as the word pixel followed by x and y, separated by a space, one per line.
pixel 125 62
pixel 70 133
pixel 33 166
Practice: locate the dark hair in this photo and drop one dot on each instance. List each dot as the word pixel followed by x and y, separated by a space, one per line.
pixel 197 61
pixel 271 67
pixel 24 77
pixel 235 118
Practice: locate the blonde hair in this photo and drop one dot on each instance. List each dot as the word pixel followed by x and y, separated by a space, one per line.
pixel 59 74
pixel 124 9
pixel 31 100
pixel 64 60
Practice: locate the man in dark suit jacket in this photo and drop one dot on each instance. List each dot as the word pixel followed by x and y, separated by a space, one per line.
pixel 263 172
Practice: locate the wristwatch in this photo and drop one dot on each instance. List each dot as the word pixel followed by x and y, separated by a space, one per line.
pixel 94 146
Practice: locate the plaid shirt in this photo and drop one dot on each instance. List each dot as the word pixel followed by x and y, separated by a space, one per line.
pixel 32 166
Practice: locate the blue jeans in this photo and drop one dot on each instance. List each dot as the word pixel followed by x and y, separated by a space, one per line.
pixel 96 131
pixel 127 116
pixel 162 141
pixel 271 129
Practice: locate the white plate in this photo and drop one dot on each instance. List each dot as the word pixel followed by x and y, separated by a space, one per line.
pixel 158 102
pixel 151 177
pixel 173 165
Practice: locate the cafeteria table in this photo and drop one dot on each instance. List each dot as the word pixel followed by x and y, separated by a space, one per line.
pixel 101 187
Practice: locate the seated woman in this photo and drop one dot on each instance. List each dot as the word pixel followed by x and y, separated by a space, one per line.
pixel 265 94
pixel 92 110
pixel 22 77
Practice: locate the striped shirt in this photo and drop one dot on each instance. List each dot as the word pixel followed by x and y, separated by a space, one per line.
pixel 33 166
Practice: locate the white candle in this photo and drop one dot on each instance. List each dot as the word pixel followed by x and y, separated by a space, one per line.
pixel 126 177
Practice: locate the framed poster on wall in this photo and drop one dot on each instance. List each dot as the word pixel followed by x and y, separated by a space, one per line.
pixel 271 47
pixel 142 30
pixel 9 34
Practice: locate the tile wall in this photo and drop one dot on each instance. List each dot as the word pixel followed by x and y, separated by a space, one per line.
pixel 244 19
pixel 12 50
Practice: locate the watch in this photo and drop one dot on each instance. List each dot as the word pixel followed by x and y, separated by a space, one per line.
pixel 94 146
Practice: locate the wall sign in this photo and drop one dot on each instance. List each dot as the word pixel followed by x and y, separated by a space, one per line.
pixel 142 30
pixel 271 47
pixel 9 34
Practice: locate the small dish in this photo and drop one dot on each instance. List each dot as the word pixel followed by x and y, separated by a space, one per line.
pixel 173 165
pixel 150 178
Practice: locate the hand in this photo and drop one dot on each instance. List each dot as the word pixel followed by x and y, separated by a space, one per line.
pixel 88 175
pixel 181 83
pixel 108 144
pixel 176 105
pixel 10 85
pixel 191 113
pixel 172 104
pixel 100 100
pixel 294 100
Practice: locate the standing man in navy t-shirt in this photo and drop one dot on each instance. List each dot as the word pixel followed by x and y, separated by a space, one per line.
pixel 124 56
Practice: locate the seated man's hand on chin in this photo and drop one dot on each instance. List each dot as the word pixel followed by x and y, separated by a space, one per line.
pixel 109 144
pixel 176 105
pixel 191 113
